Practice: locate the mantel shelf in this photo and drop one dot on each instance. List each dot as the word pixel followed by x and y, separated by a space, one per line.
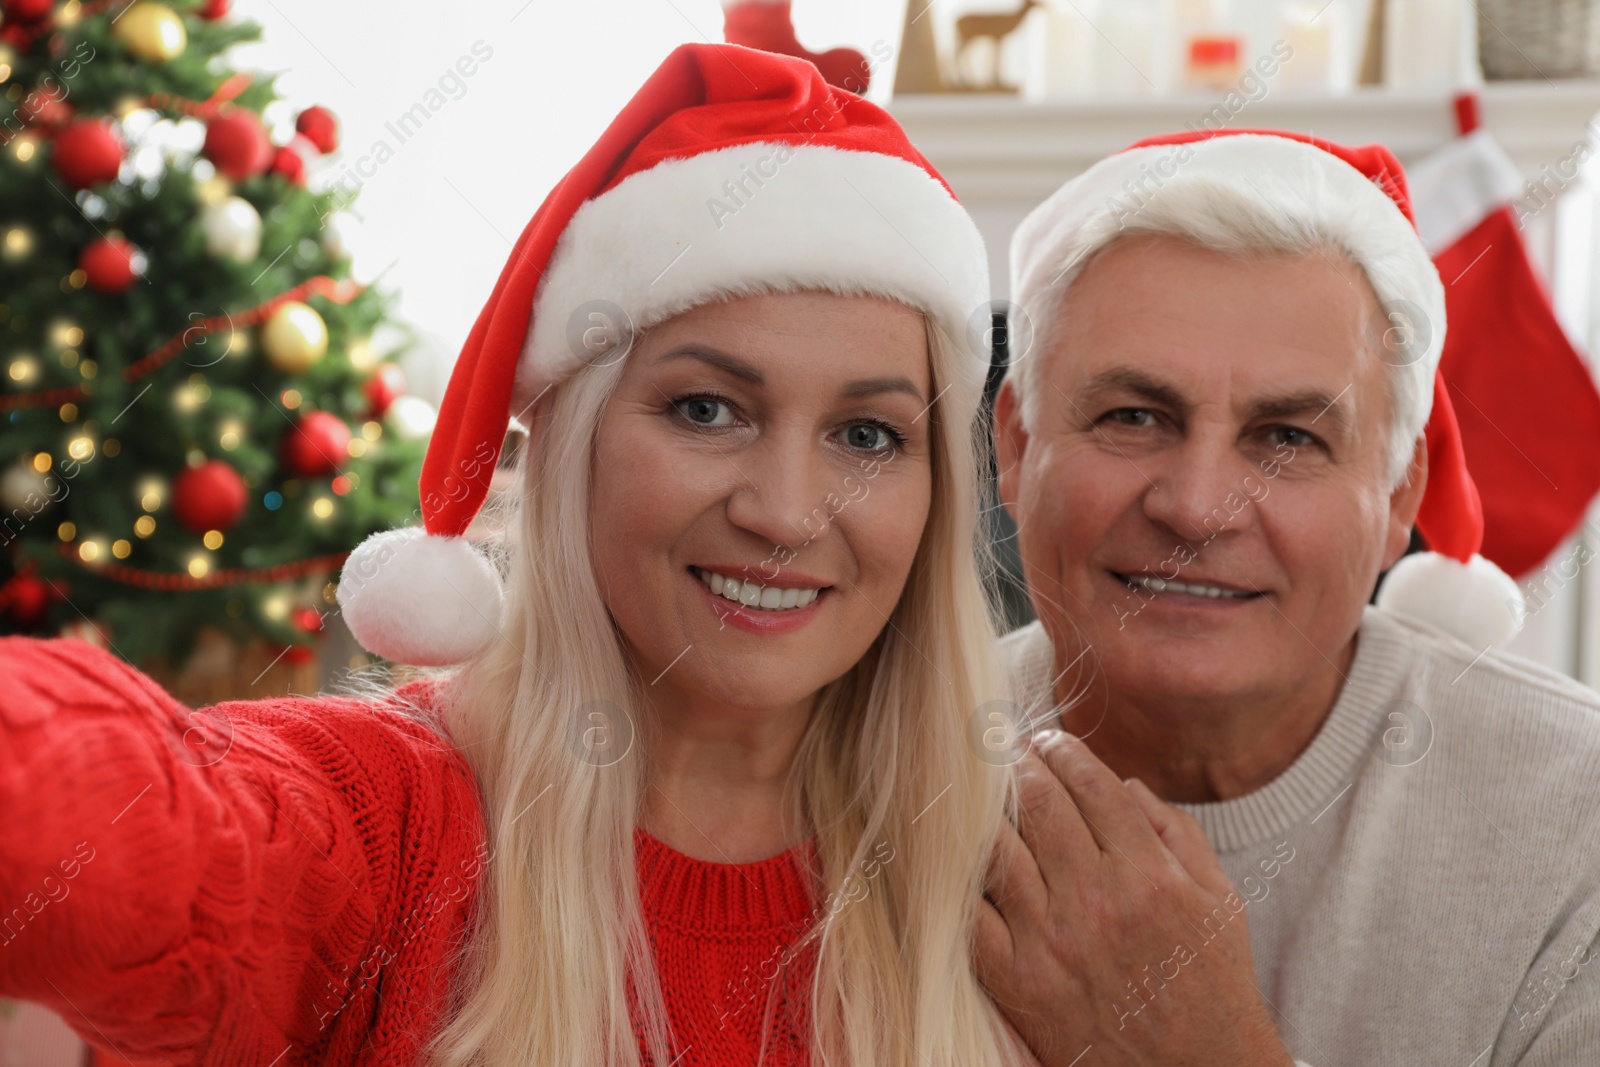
pixel 997 147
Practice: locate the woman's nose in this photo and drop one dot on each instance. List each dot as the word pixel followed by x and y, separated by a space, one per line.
pixel 782 492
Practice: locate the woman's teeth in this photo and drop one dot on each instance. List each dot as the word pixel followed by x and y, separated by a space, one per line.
pixel 754 594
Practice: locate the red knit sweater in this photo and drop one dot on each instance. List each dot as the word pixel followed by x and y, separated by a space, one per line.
pixel 285 881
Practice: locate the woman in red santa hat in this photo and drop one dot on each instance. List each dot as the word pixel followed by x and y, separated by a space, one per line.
pixel 702 785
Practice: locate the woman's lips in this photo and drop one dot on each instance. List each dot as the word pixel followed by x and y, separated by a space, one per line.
pixel 760 620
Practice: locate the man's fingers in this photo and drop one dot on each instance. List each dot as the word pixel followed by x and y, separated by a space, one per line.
pixel 1013 872
pixel 1183 838
pixel 1118 825
pixel 993 947
pixel 1049 824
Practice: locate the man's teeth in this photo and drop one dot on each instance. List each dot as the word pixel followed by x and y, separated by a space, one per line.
pixel 754 594
pixel 1164 585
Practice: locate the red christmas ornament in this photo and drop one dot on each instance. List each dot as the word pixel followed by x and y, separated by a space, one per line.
pixel 298 654
pixel 318 444
pixel 290 160
pixel 236 144
pixel 388 382
pixel 87 152
pixel 318 126
pixel 26 10
pixel 111 264
pixel 289 163
pixel 45 110
pixel 214 10
pixel 307 618
pixel 211 496
pixel 26 599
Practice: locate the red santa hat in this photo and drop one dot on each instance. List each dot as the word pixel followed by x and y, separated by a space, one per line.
pixel 731 171
pixel 1357 196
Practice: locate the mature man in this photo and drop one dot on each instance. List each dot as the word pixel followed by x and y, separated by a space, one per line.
pixel 1386 842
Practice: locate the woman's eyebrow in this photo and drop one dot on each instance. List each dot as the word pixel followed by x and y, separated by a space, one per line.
pixel 721 360
pixel 873 386
pixel 750 373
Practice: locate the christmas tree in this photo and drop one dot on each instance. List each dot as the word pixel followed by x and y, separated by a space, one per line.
pixel 195 427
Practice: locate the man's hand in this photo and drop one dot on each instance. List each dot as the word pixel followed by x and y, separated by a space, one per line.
pixel 1107 924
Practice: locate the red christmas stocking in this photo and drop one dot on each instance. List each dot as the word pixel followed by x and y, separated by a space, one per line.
pixel 1525 399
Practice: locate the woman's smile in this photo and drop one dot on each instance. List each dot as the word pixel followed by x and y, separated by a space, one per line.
pixel 778 606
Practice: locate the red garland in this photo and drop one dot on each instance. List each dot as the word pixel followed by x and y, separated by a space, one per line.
pixel 144 579
pixel 340 292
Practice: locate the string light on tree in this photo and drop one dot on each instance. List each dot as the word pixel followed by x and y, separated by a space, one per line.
pixel 23 487
pixel 23 369
pixel 18 243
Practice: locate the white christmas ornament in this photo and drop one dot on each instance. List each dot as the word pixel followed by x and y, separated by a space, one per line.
pixel 411 417
pixel 232 228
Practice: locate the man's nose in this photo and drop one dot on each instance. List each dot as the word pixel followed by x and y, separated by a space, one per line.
pixel 1197 487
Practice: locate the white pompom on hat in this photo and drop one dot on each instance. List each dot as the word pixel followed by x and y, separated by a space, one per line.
pixel 730 171
pixel 1358 194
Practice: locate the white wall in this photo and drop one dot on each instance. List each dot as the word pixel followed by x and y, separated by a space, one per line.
pixel 439 216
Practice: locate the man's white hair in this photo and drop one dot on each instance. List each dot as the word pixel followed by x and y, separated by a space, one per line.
pixel 1240 194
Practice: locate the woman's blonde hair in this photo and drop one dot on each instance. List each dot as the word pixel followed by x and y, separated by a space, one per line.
pixel 887 760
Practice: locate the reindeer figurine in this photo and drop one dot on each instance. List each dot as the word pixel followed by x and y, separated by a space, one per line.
pixel 994 26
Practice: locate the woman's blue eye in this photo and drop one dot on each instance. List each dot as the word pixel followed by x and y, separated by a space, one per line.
pixel 703 411
pixel 871 437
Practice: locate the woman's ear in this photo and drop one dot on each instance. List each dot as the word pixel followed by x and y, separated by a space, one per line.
pixel 1010 444
pixel 1404 503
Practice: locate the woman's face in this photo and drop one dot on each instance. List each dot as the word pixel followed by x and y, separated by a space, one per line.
pixel 761 480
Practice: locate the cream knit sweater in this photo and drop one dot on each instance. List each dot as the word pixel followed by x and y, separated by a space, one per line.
pixel 1422 884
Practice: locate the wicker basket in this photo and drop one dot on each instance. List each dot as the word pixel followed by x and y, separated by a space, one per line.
pixel 1539 38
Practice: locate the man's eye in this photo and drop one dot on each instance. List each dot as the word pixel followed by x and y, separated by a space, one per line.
pixel 1133 417
pixel 1292 436
pixel 705 410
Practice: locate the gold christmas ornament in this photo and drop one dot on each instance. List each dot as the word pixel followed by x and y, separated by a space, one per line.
pixel 151 31
pixel 294 337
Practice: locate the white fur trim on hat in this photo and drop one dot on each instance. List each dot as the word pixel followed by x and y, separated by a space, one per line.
pixel 757 216
pixel 1475 601
pixel 420 599
pixel 1093 208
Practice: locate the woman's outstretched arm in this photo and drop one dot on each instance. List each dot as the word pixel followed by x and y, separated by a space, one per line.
pixel 233 885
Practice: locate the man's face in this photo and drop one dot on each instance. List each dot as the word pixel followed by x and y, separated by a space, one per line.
pixel 1203 497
